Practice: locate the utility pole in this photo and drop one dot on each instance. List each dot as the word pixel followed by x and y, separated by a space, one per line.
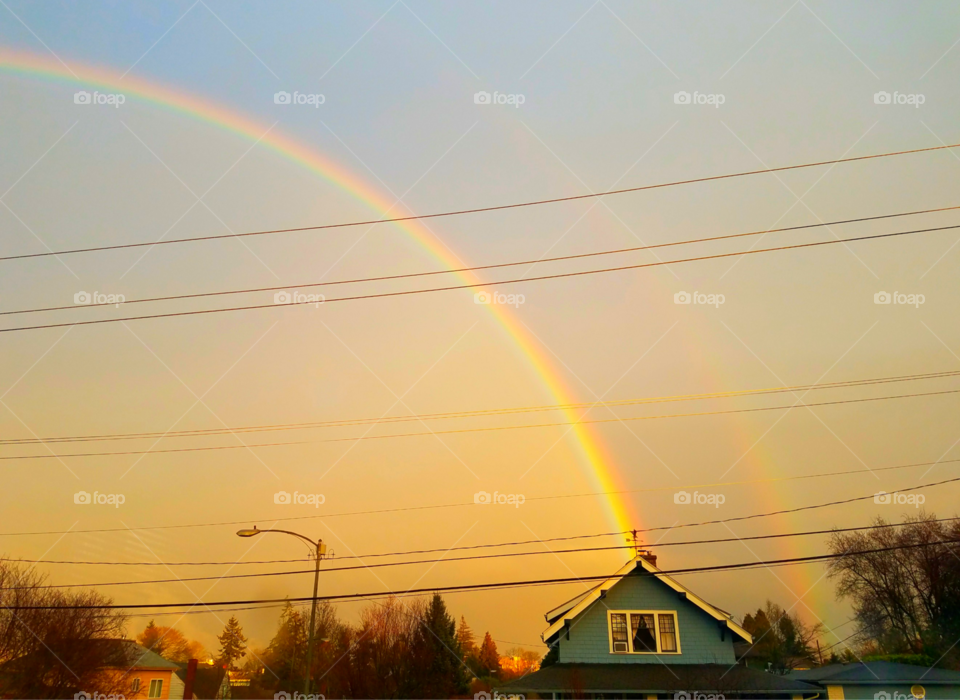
pixel 320 551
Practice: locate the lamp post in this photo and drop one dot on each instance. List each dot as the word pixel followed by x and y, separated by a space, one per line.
pixel 319 550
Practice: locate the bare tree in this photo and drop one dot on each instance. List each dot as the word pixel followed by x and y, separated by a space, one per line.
pixel 60 650
pixel 905 600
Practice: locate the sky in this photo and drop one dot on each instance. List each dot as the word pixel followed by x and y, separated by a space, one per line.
pixel 389 117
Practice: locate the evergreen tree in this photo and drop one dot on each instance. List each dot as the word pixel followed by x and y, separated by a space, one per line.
pixel 489 657
pixel 232 642
pixel 468 645
pixel 437 670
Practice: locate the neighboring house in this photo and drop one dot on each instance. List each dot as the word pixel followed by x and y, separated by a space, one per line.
pixel 642 634
pixel 882 680
pixel 210 682
pixel 146 674
pixel 136 670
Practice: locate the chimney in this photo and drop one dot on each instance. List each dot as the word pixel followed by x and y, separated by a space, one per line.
pixel 647 556
pixel 191 677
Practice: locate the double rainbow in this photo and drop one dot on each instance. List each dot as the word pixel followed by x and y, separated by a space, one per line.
pixel 592 455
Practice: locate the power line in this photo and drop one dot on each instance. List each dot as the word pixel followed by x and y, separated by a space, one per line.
pixel 475 413
pixel 501 555
pixel 590 421
pixel 412 275
pixel 472 504
pixel 478 210
pixel 475 285
pixel 491 586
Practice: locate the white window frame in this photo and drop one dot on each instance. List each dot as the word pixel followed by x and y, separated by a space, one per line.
pixel 159 682
pixel 656 626
pixel 135 686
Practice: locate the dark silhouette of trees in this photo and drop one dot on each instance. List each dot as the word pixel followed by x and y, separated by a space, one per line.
pixel 58 652
pixel 170 643
pixel 905 601
pixel 780 640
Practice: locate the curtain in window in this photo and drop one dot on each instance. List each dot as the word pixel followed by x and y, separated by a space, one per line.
pixel 644 635
pixel 668 633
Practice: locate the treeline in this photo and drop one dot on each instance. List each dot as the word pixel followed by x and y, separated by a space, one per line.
pixel 903 583
pixel 399 649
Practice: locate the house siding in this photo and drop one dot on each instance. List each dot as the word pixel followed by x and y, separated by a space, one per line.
pixel 699 633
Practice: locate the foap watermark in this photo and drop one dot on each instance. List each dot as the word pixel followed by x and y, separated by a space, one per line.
pixel 297 297
pixel 284 498
pixel 714 99
pixel 896 498
pixel 85 498
pixel 917 692
pixel 497 695
pixel 513 300
pixel 498 98
pixel 84 695
pixel 113 99
pixel 699 298
pixel 899 298
pixel 87 298
pixel 695 695
pixel 284 695
pixel 484 498
pixel 914 99
pixel 685 498
pixel 299 98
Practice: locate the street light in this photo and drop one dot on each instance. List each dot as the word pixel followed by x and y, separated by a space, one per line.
pixel 320 549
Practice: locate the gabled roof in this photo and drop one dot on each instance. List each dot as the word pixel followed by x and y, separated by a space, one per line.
pixel 126 653
pixel 560 615
pixel 876 672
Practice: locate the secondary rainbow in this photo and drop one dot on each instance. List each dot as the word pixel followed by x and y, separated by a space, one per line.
pixel 603 473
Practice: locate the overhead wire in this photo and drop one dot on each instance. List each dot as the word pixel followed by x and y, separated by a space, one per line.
pixel 477 268
pixel 495 585
pixel 500 555
pixel 478 284
pixel 455 431
pixel 49 440
pixel 474 504
pixel 477 210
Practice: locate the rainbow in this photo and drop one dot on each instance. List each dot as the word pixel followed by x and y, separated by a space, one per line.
pixel 593 456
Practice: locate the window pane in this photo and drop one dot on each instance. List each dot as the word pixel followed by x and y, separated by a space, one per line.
pixel 644 636
pixel 668 633
pixel 156 687
pixel 618 624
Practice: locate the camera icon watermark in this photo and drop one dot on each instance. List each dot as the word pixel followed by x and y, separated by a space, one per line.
pixel 914 300
pixel 498 98
pixel 699 298
pixel 899 98
pixel 114 99
pixel 98 299
pixel 297 297
pixel 285 498
pixel 298 98
pixel 85 498
pixel 882 498
pixel 699 98
pixel 513 300
pixel 485 498
pixel 684 498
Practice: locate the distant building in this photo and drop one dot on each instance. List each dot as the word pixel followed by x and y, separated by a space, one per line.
pixel 882 680
pixel 641 634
